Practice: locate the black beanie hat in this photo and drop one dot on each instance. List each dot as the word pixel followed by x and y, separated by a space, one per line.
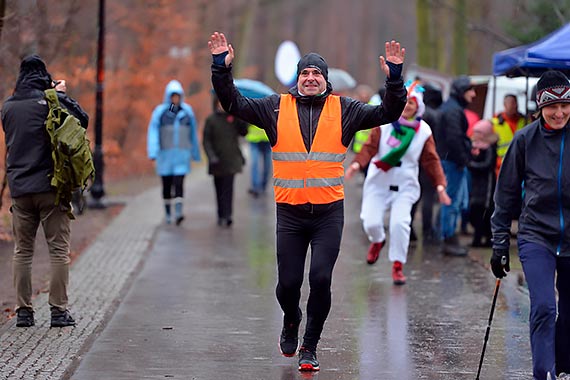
pixel 460 85
pixel 315 61
pixel 552 87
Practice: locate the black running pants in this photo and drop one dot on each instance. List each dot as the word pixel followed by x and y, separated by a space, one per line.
pixel 170 183
pixel 298 227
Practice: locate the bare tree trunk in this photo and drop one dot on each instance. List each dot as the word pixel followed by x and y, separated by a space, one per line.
pixel 460 39
pixel 246 29
pixel 425 45
pixel 2 13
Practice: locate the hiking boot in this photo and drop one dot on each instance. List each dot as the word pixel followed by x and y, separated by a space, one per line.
pixel 452 247
pixel 398 273
pixel 308 359
pixel 563 376
pixel 179 219
pixel 374 252
pixel 61 318
pixel 289 340
pixel 25 317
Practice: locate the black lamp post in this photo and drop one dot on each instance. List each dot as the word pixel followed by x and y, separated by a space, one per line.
pixel 97 190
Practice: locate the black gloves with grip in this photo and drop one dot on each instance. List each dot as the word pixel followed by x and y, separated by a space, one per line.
pixel 500 262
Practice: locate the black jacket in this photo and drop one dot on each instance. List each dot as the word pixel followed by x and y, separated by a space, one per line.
pixel 29 161
pixel 221 143
pixel 264 112
pixel 535 180
pixel 482 170
pixel 451 134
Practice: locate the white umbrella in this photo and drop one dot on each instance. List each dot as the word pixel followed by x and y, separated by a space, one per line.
pixel 341 80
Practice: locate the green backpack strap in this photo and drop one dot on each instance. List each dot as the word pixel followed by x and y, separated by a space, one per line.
pixel 51 96
pixel 53 119
pixel 53 103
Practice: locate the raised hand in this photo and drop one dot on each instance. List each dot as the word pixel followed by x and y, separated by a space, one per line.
pixel 394 54
pixel 218 44
pixel 60 86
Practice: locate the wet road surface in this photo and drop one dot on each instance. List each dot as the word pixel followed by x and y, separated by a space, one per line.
pixel 203 307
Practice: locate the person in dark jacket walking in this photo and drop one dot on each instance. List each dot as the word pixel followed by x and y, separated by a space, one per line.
pixel 309 130
pixel 29 169
pixel 221 144
pixel 454 149
pixel 534 180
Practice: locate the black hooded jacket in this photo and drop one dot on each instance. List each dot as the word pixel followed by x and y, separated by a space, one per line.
pixel 453 144
pixel 29 161
pixel 264 112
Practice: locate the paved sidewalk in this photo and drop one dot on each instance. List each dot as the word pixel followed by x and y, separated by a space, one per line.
pixel 97 280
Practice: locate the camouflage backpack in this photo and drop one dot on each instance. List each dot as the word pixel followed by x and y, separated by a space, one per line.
pixel 71 153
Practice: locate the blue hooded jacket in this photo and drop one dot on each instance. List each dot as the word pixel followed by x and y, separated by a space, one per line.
pixel 172 138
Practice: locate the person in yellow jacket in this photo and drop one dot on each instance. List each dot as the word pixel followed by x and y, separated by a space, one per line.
pixel 260 152
pixel 309 130
pixel 505 124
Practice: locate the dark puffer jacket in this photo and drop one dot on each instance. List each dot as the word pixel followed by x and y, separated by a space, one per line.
pixel 451 133
pixel 24 113
pixel 539 158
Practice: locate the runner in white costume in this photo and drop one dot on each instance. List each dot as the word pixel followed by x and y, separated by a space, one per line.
pixel 397 150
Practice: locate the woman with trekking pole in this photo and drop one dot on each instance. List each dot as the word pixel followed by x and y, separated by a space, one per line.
pixel 534 184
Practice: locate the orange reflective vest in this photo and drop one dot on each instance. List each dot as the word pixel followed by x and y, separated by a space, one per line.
pixel 315 177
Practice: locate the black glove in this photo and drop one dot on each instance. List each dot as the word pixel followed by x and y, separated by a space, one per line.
pixel 500 262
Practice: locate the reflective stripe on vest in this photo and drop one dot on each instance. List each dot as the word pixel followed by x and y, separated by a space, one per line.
pixel 314 156
pixel 315 177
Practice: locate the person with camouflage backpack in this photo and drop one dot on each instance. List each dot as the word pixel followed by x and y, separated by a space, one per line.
pixel 30 169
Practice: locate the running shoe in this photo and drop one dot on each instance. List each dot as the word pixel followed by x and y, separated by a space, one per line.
pixel 308 360
pixel 398 273
pixel 289 340
pixel 374 252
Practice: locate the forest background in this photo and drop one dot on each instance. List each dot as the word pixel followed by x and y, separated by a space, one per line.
pixel 149 42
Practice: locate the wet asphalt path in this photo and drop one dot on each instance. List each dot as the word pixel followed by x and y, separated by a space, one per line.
pixel 203 307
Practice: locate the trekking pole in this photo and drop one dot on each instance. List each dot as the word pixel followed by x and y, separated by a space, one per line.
pixel 497 284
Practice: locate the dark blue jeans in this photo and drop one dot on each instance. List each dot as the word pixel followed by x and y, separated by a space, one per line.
pixel 456 188
pixel 549 335
pixel 260 156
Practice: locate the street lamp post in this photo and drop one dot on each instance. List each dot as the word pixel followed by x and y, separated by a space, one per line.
pixel 97 190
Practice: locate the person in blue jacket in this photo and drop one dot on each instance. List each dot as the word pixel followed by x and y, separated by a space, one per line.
pixel 172 142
